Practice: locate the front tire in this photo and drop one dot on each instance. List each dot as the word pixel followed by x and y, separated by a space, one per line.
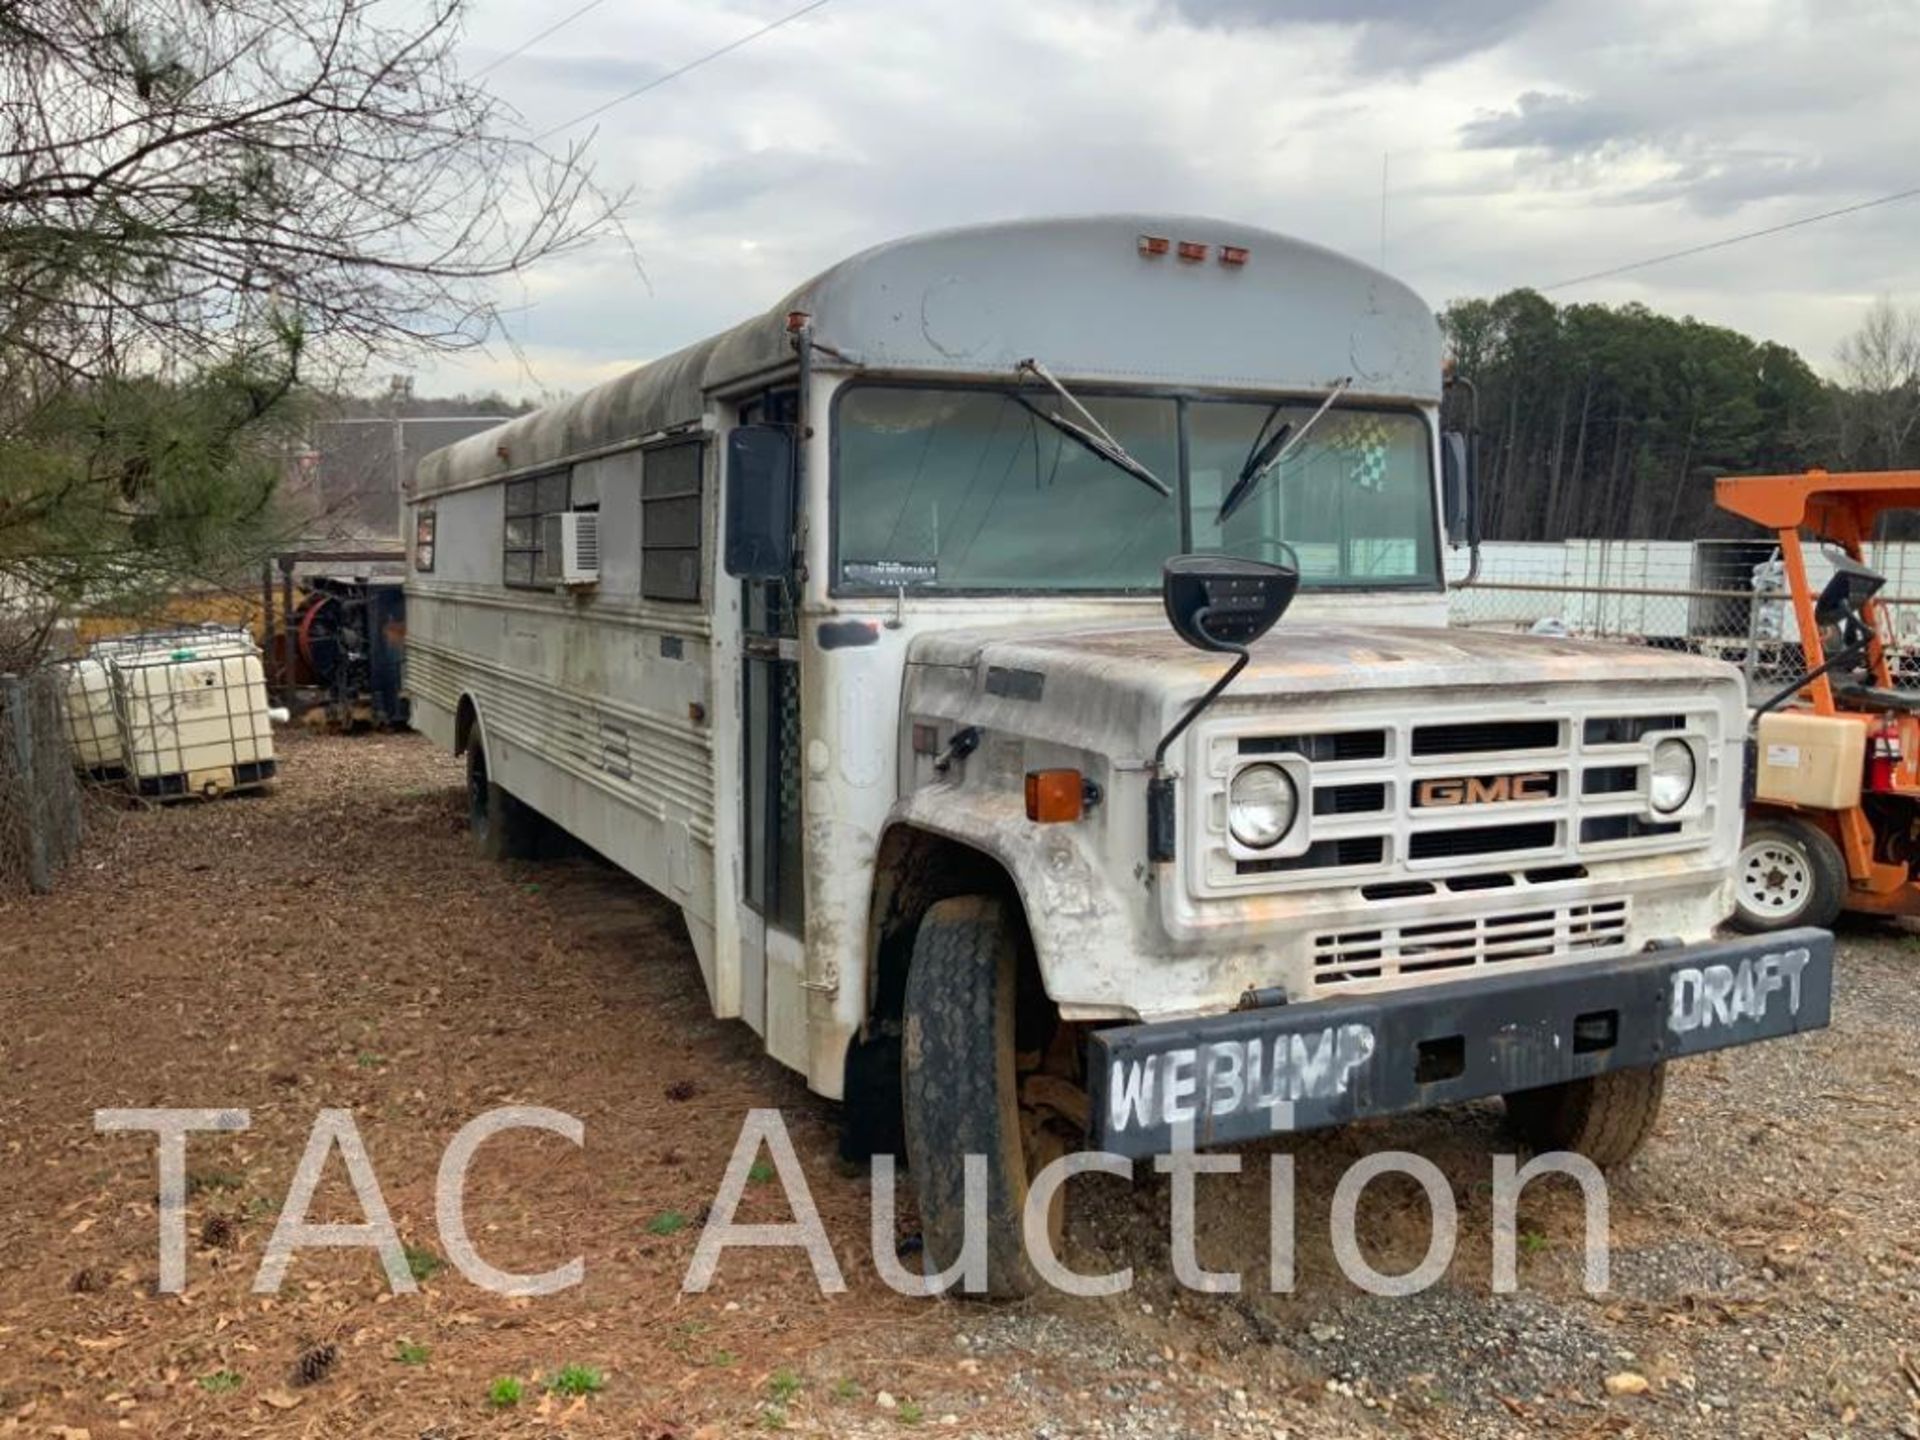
pixel 961 1068
pixel 1789 873
pixel 1607 1118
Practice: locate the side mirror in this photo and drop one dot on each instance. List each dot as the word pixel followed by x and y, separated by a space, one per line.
pixel 759 501
pixel 1221 603
pixel 1457 490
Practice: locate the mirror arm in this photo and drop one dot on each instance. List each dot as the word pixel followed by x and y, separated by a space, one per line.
pixel 1473 473
pixel 1162 812
pixel 803 385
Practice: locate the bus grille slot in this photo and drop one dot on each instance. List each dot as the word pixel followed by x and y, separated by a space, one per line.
pixel 1483 737
pixel 1427 948
pixel 1486 840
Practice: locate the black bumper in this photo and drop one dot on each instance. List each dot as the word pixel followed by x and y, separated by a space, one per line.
pixel 1250 1073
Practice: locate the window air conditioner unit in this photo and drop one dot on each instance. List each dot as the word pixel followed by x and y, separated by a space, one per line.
pixel 570 548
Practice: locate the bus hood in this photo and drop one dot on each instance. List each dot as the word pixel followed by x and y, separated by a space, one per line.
pixel 1129 677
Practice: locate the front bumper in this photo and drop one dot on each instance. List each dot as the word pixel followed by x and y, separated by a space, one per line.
pixel 1251 1073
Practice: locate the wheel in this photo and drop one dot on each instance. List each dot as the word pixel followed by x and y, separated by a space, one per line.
pixel 981 1075
pixel 1789 873
pixel 502 828
pixel 1606 1117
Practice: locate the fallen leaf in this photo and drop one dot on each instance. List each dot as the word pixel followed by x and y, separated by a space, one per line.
pixel 281 1399
pixel 1628 1382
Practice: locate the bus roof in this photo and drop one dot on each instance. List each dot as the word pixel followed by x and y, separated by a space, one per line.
pixel 1081 295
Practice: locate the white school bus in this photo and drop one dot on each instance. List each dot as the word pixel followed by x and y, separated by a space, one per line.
pixel 922 640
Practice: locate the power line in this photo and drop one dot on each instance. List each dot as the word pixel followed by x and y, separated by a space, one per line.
pixel 675 74
pixel 1734 239
pixel 527 45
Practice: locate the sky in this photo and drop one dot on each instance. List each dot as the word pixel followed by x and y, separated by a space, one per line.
pixel 1521 142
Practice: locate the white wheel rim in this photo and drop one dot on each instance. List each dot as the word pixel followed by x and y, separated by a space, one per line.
pixel 1775 879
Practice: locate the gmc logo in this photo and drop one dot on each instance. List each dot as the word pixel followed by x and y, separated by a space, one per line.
pixel 1484 790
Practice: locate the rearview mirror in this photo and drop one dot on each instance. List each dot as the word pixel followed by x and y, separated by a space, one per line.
pixel 759 500
pixel 1852 585
pixel 1222 603
pixel 1457 488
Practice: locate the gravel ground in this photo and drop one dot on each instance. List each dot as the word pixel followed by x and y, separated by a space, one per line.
pixel 335 944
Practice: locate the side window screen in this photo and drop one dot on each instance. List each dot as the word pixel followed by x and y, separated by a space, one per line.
pixel 670 517
pixel 529 502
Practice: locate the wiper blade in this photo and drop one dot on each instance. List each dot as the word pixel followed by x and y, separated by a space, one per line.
pixel 1091 436
pixel 1269 455
pixel 1260 456
pixel 1094 444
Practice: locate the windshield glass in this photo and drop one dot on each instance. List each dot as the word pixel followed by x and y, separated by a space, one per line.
pixel 965 489
pixel 1354 500
pixel 969 490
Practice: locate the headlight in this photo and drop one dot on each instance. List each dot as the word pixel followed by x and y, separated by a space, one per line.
pixel 1670 779
pixel 1261 804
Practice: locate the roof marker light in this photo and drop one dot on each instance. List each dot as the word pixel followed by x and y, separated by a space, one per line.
pixel 1155 245
pixel 1233 254
pixel 1192 250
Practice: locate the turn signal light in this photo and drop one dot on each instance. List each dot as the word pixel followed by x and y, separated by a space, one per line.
pixel 1055 795
pixel 1192 250
pixel 1233 254
pixel 1155 244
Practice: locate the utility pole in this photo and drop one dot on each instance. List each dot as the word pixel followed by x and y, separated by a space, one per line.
pixel 399 391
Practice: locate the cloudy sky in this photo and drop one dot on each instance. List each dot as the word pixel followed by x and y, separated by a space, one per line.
pixel 1526 142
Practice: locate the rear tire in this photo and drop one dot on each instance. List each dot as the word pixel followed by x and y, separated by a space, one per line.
pixel 1606 1117
pixel 1789 873
pixel 960 1073
pixel 501 826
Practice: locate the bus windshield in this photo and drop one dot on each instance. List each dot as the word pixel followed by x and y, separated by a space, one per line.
pixel 941 487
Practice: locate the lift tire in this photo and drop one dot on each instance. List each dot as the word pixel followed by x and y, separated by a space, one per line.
pixel 502 827
pixel 1789 873
pixel 1607 1117
pixel 960 1084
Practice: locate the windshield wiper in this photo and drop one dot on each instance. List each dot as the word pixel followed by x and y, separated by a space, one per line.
pixel 1268 453
pixel 1092 436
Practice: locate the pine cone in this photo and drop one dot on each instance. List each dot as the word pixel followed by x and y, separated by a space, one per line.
pixel 217 1233
pixel 316 1363
pixel 89 1281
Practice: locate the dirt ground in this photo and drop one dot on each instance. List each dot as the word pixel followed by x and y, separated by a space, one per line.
pixel 335 944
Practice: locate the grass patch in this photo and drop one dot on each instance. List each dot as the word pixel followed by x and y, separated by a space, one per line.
pixel 1533 1242
pixel 201 1181
pixel 667 1222
pixel 844 1389
pixel 408 1353
pixel 910 1413
pixel 221 1382
pixel 783 1386
pixel 422 1263
pixel 574 1380
pixel 723 1358
pixel 760 1172
pixel 505 1393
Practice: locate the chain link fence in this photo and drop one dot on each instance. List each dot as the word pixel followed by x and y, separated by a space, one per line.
pixel 1719 599
pixel 40 802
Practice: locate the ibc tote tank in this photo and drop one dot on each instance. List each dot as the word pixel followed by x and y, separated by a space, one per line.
pixel 93 726
pixel 193 713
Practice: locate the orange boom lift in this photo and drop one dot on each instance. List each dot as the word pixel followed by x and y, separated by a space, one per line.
pixel 1833 817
